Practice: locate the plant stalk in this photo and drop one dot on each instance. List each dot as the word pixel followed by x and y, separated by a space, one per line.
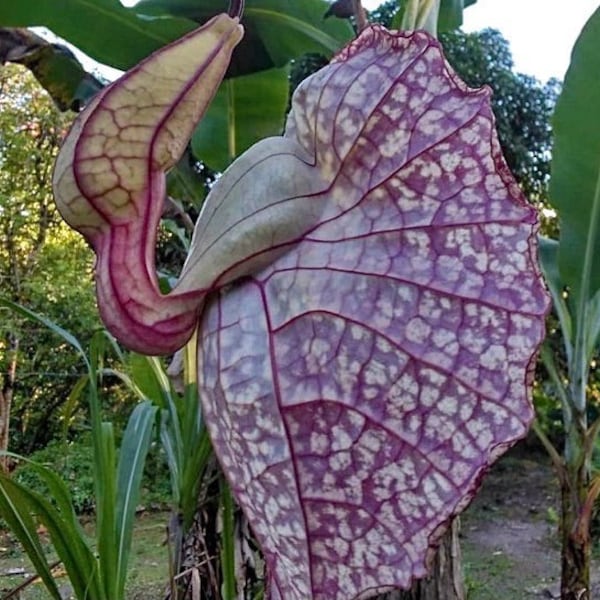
pixel 236 8
pixel 360 15
pixel 228 542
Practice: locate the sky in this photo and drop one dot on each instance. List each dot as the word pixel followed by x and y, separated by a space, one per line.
pixel 541 32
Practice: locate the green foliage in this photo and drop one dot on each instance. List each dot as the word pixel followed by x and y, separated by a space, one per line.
pixel 117 482
pixel 183 435
pixel 42 262
pixel 575 192
pixel 251 105
pixel 276 30
pixel 302 67
pixel 103 29
pixel 577 151
pixel 61 285
pixel 30 134
pixel 451 14
pixel 572 270
pixel 184 438
pixel 72 462
pixel 54 66
pixel 435 17
pixel 189 182
pixel 228 542
pixel 15 510
pixel 548 256
pixel 59 518
pixel 130 468
pixel 112 34
pixel 384 13
pixel 548 410
pixel 235 120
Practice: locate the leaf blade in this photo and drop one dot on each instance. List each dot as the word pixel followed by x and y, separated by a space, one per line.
pixel 277 31
pixel 451 14
pixel 548 255
pixel 132 458
pixel 65 532
pixel 104 29
pixel 14 510
pixel 57 329
pixel 53 65
pixel 235 114
pixel 577 151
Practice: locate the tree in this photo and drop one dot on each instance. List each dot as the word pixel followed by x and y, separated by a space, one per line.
pixel 572 271
pixel 41 263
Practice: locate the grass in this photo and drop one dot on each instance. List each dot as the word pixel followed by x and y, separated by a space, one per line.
pixel 148 574
pixel 509 542
pixel 485 576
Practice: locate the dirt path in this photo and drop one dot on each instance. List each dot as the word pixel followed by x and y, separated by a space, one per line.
pixel 509 533
pixel 509 539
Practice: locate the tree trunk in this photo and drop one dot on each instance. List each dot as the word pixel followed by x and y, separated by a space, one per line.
pixel 6 397
pixel 576 553
pixel 445 581
pixel 194 553
pixel 575 538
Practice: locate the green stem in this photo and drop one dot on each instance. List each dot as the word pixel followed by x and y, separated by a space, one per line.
pixel 549 363
pixel 236 8
pixel 228 546
pixel 231 139
pixel 409 20
pixel 590 439
pixel 190 357
pixel 427 19
pixel 557 460
pixel 421 14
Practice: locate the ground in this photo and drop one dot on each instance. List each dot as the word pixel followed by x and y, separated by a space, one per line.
pixel 147 576
pixel 509 539
pixel 509 535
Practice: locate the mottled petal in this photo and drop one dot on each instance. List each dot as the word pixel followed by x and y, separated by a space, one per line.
pixel 357 387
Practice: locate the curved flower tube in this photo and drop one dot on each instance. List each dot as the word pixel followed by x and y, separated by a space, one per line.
pixel 109 180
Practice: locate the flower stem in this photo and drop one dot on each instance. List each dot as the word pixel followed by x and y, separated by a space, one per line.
pixel 236 8
pixel 360 15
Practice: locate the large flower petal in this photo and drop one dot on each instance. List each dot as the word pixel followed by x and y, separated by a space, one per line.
pixel 357 387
